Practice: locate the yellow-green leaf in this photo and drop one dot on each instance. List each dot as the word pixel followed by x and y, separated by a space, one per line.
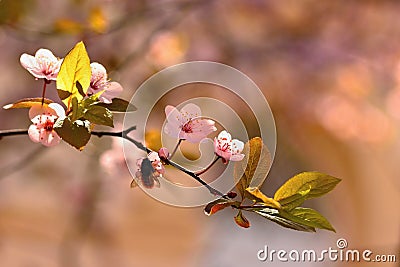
pixel 253 169
pixel 258 195
pixel 295 200
pixel 312 218
pixel 241 220
pixel 275 216
pixel 73 80
pixel 304 186
pixel 119 105
pixel 27 103
pixel 99 115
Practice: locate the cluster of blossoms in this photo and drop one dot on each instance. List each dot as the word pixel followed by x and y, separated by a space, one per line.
pixel 187 124
pixel 44 65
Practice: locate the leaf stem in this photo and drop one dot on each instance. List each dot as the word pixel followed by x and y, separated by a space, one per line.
pixel 209 166
pixel 244 207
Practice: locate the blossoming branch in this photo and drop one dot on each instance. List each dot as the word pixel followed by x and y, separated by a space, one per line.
pixel 88 98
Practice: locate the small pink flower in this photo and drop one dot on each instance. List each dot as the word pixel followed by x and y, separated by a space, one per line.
pixel 43 118
pixel 99 81
pixel 163 153
pixel 149 170
pixel 156 162
pixel 227 148
pixel 44 65
pixel 187 124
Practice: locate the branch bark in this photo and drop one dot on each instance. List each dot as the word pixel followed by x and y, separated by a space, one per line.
pixel 139 145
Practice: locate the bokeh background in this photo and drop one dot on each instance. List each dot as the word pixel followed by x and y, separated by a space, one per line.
pixel 329 69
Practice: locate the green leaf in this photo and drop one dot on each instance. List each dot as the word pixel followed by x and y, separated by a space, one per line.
pixel 253 169
pixel 119 105
pixel 93 99
pixel 295 200
pixel 76 133
pixel 77 111
pixel 312 218
pixel 275 216
pixel 99 115
pixel 241 220
pixel 86 103
pixel 27 103
pixel 218 205
pixel 259 196
pixel 304 186
pixel 73 79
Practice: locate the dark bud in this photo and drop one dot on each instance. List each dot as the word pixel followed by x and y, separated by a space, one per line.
pixel 231 194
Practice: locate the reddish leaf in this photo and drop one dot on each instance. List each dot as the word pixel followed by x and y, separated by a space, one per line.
pixel 27 103
pixel 217 205
pixel 241 220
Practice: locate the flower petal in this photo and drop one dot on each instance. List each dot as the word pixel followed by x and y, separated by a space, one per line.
pixel 38 109
pixel 59 110
pixel 112 90
pixel 237 157
pixel 191 110
pixel 34 133
pixel 153 156
pixel 28 61
pixel 173 125
pixel 174 116
pixel 172 130
pixel 45 54
pixel 98 72
pixel 224 135
pixel 224 154
pixel 50 138
pixel 237 146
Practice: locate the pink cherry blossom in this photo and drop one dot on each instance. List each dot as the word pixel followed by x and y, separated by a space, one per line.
pixel 44 65
pixel 227 148
pixel 156 162
pixel 187 123
pixel 149 170
pixel 99 81
pixel 43 118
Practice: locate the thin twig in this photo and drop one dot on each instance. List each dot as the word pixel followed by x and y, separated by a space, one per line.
pixel 209 166
pixel 197 178
pixel 176 148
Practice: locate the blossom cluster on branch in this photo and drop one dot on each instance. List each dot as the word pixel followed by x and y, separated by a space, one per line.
pixel 87 98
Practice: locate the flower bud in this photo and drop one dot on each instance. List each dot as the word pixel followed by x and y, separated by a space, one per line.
pixel 231 194
pixel 163 153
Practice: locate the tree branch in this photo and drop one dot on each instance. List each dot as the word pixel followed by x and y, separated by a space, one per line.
pixel 4 133
pixel 124 134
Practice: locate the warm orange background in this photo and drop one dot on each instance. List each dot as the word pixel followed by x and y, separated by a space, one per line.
pixel 329 69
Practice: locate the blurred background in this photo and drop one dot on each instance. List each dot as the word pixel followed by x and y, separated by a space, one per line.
pixel 330 71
